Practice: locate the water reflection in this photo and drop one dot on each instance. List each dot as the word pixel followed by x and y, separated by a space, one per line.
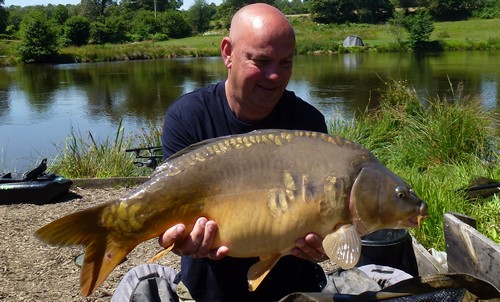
pixel 39 104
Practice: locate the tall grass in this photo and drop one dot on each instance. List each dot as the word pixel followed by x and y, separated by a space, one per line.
pixel 89 158
pixel 436 145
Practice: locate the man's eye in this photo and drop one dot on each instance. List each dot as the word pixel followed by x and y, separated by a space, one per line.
pixel 260 62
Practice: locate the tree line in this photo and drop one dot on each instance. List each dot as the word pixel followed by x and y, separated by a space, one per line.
pixel 111 21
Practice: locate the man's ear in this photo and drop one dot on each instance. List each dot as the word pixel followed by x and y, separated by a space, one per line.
pixel 227 51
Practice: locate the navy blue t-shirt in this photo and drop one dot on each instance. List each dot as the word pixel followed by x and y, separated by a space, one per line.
pixel 204 114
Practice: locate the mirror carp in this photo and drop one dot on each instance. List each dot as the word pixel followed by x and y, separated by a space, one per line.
pixel 265 189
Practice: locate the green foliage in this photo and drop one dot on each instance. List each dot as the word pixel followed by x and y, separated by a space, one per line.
pixel 291 7
pixel 161 5
pixel 489 10
pixel 4 16
pixel 374 11
pixel 419 26
pixel 108 30
pixel 60 14
pixel 174 24
pixel 332 11
pixel 77 31
pixel 144 25
pixel 200 14
pixel 445 10
pixel 38 38
pixel 95 9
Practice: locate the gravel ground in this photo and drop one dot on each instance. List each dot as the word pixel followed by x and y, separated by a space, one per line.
pixel 33 271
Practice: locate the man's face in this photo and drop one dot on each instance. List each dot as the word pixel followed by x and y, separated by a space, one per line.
pixel 259 70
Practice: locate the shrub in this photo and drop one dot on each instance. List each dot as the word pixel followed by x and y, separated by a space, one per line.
pixel 38 38
pixel 420 27
pixel 77 30
pixel 174 24
pixel 110 30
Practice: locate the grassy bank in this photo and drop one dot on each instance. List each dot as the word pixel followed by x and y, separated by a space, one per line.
pixel 475 34
pixel 438 146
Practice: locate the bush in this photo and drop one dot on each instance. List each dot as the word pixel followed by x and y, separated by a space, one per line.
pixel 77 30
pixel 174 24
pixel 420 27
pixel 110 30
pixel 144 25
pixel 38 38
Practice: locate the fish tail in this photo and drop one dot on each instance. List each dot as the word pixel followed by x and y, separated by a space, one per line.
pixel 102 253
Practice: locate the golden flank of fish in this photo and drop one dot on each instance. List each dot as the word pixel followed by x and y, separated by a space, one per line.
pixel 265 189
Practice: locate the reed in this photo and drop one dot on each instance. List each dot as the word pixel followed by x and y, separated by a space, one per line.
pixel 90 158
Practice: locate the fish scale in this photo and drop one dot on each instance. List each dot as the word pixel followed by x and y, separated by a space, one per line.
pixel 265 189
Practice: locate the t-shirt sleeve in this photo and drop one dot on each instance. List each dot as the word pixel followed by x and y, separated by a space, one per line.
pixel 180 125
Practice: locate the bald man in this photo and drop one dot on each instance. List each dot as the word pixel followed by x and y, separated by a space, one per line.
pixel 258 54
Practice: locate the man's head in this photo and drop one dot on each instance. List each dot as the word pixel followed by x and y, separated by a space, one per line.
pixel 258 55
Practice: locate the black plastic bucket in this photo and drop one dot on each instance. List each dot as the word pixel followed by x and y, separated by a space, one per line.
pixel 389 247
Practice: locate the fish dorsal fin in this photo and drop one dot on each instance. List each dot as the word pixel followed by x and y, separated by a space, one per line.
pixel 211 141
pixel 259 270
pixel 343 246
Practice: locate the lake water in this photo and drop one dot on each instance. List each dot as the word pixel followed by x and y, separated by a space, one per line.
pixel 39 105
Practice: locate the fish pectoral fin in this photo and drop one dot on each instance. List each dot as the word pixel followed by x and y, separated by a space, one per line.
pixel 343 246
pixel 161 254
pixel 259 270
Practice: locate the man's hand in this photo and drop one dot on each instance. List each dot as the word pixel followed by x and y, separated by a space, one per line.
pixel 198 243
pixel 310 248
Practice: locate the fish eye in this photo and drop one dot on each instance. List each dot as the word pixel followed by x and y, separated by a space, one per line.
pixel 401 192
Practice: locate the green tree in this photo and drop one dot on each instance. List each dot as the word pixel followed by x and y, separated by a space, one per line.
pixel 77 30
pixel 332 11
pixel 93 9
pixel 174 24
pixel 200 14
pixel 419 26
pixel 112 29
pixel 487 9
pixel 152 5
pixel 451 9
pixel 60 14
pixel 15 17
pixel 291 7
pixel 374 11
pixel 4 17
pixel 144 25
pixel 38 38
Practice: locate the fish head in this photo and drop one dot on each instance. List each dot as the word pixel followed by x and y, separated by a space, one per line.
pixel 382 200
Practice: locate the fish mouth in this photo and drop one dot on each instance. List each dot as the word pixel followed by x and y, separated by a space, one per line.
pixel 421 216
